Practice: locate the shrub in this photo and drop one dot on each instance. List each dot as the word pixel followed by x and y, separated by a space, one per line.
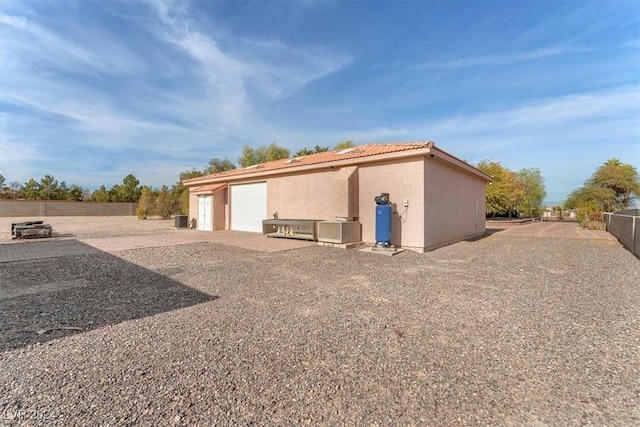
pixel 146 203
pixel 594 225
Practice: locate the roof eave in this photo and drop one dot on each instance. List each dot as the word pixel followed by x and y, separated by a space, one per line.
pixel 324 165
pixel 460 164
pixel 432 150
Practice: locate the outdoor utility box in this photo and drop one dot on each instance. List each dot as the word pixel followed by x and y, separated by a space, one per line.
pixel 339 231
pixel 383 224
pixel 182 221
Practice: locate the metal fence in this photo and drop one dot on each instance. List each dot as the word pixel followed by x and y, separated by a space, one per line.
pixel 32 208
pixel 625 226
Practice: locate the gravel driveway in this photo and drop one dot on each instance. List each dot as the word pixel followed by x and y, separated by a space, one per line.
pixel 505 330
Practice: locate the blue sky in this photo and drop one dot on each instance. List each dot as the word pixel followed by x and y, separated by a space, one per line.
pixel 91 91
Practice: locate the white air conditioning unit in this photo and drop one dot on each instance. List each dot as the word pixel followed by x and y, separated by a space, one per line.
pixel 339 231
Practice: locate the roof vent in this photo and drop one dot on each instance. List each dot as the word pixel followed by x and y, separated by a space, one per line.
pixel 294 160
pixel 254 166
pixel 346 151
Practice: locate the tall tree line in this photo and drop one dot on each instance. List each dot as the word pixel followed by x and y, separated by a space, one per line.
pixel 48 188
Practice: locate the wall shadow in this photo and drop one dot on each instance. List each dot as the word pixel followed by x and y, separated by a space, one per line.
pixel 80 290
pixel 396 226
pixel 488 232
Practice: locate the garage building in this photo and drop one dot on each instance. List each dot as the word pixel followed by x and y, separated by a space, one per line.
pixel 437 198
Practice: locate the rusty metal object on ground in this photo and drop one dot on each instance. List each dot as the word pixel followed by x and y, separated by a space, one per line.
pixel 27 229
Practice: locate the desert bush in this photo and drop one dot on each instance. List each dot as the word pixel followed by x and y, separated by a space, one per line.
pixel 146 203
pixel 590 217
pixel 594 225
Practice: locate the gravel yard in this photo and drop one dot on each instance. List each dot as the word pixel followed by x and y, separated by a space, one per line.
pixel 91 227
pixel 505 330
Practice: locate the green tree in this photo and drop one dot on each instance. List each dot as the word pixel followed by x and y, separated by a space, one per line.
pixel 216 166
pixel 613 186
pixel 5 192
pixel 48 188
pixel 510 192
pixel 146 202
pixel 76 193
pixel 62 192
pixel 621 178
pixel 534 191
pixel 264 153
pixel 166 203
pixel 304 152
pixel 100 195
pixel 30 190
pixel 14 189
pixel 116 194
pixel 130 190
pixel 499 191
pixel 193 173
pixel 344 144
pixel 317 149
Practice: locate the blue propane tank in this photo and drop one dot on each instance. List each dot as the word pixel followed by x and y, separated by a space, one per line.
pixel 383 225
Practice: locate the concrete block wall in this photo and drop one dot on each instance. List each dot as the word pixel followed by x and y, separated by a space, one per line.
pixel 30 208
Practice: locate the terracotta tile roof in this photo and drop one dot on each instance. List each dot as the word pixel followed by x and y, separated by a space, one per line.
pixel 209 188
pixel 356 152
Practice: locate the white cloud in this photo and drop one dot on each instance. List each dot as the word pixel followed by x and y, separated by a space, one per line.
pixel 504 58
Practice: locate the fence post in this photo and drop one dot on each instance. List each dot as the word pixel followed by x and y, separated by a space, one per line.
pixel 634 235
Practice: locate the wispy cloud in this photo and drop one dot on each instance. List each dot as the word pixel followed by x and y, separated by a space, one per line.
pixel 635 43
pixel 525 133
pixel 47 48
pixel 99 91
pixel 279 70
pixel 504 58
pixel 269 67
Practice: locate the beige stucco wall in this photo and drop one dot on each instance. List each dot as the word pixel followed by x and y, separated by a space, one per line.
pixel 302 196
pixel 454 204
pixel 315 196
pixel 403 181
pixel 193 208
pixel 218 206
pixel 345 192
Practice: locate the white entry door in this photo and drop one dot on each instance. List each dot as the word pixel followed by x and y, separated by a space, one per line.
pixel 205 220
pixel 248 206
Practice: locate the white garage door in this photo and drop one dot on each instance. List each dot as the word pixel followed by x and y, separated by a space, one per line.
pixel 248 206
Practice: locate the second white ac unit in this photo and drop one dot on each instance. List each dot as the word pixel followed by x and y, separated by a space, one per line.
pixel 339 231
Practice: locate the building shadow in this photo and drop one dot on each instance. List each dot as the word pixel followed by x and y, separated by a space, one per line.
pixel 396 226
pixel 79 290
pixel 488 232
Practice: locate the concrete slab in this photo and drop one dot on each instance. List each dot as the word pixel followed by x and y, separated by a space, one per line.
pixel 570 230
pixel 381 251
pixel 246 240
